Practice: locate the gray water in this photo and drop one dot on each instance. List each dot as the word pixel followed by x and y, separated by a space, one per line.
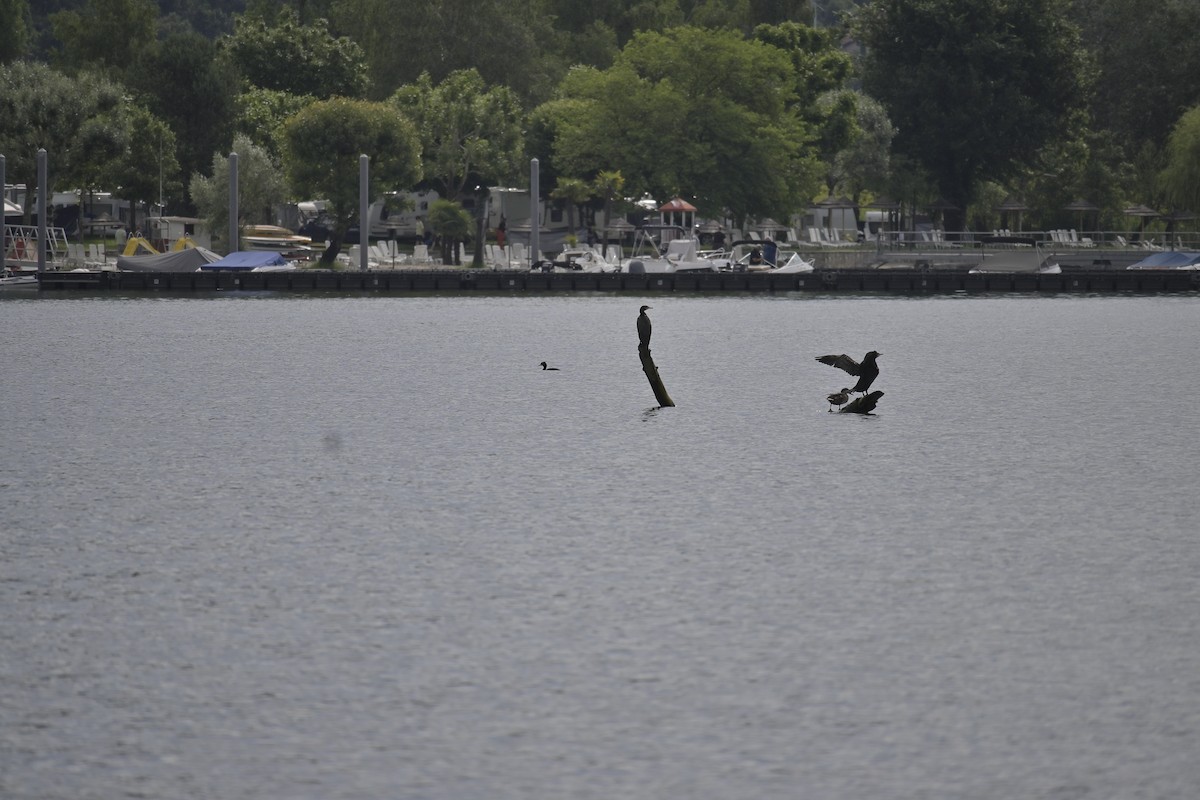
pixel 321 548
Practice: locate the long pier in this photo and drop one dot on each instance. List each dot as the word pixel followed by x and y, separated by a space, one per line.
pixel 469 281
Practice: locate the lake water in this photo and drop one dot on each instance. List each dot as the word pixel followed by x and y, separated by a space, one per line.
pixel 358 548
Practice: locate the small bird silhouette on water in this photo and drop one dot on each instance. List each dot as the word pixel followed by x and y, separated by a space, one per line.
pixel 643 323
pixel 867 371
pixel 551 369
pixel 838 399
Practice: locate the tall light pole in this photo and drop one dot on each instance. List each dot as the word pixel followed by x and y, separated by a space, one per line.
pixel 535 212
pixel 233 203
pixel 42 205
pixel 364 209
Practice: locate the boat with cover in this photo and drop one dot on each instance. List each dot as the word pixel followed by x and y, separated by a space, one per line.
pixel 577 259
pixel 680 255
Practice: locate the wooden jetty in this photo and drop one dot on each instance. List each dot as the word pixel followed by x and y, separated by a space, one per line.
pixel 476 281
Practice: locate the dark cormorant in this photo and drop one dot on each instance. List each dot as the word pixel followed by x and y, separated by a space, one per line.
pixel 643 323
pixel 867 371
pixel 838 398
pixel 544 367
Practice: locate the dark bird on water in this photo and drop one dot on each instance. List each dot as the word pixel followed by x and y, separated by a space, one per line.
pixel 552 369
pixel 867 371
pixel 838 398
pixel 643 323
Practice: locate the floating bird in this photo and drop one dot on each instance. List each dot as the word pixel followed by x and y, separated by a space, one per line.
pixel 838 398
pixel 552 369
pixel 867 371
pixel 643 323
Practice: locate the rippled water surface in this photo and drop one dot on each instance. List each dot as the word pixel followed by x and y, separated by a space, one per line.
pixel 333 548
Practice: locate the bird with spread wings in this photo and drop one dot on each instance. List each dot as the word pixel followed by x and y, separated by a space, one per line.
pixel 867 371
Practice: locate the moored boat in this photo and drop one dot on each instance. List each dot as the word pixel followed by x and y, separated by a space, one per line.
pixel 18 280
pixel 275 239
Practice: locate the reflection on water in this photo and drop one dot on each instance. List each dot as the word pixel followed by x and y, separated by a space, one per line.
pixel 361 548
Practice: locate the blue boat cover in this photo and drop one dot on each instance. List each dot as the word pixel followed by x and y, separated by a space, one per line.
pixel 1169 259
pixel 248 259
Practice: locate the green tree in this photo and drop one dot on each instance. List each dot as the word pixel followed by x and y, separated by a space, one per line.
pixel 16 34
pixel 261 184
pixel 451 224
pixel 608 185
pixel 262 112
pixel 821 71
pixel 840 128
pixel 470 132
pixel 573 193
pixel 321 149
pixel 300 59
pixel 865 162
pixel 43 108
pixel 105 35
pixel 183 83
pixel 403 41
pixel 147 170
pixel 1181 178
pixel 974 87
pixel 1146 63
pixel 622 19
pixel 307 11
pixel 818 65
pixel 102 140
pixel 705 114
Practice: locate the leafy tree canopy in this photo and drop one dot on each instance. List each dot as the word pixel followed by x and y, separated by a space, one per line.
pixel 16 34
pixel 451 223
pixel 321 149
pixel 469 131
pixel 1147 65
pixel 148 169
pixel 260 185
pixel 301 59
pixel 1181 178
pixel 105 35
pixel 262 112
pixel 504 41
pixel 974 87
pixel 185 84
pixel 43 108
pixel 704 114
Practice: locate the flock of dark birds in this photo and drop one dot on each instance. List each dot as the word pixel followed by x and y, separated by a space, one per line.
pixel 866 371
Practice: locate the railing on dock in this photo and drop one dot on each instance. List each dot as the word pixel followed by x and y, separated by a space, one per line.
pixel 21 243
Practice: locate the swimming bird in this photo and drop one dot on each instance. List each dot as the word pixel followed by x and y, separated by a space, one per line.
pixel 867 371
pixel 643 323
pixel 838 398
pixel 552 369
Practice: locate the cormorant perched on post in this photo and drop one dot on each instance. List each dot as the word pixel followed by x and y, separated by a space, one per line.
pixel 867 371
pixel 544 367
pixel 643 323
pixel 838 398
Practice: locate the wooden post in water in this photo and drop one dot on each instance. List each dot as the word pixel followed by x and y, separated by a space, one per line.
pixel 862 405
pixel 656 384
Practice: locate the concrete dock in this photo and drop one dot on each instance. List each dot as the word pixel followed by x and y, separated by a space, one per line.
pixel 468 281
